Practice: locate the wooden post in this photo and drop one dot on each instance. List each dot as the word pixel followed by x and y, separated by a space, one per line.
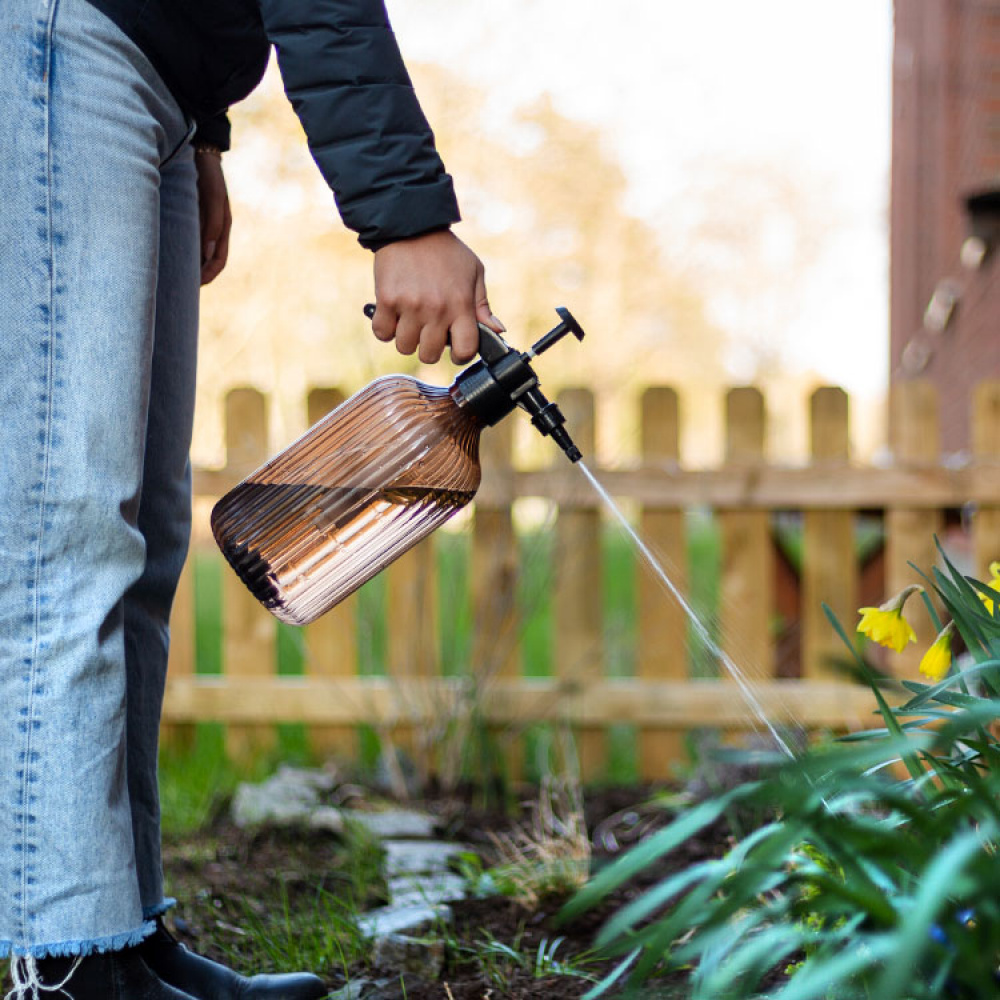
pixel 746 599
pixel 248 631
pixel 183 652
pixel 331 641
pixel 986 448
pixel 829 560
pixel 662 639
pixel 493 575
pixel 412 628
pixel 915 439
pixel 577 579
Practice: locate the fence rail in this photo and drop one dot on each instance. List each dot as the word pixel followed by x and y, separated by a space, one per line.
pixel 915 498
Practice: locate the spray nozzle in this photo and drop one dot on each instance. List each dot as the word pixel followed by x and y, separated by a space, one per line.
pixel 503 379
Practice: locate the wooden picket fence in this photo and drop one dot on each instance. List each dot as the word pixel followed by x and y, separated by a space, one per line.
pixel 915 496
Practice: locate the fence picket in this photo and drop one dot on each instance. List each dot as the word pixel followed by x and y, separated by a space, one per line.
pixel 493 575
pixel 331 641
pixel 910 533
pixel 662 635
pixel 829 559
pixel 576 581
pixel 248 631
pixel 747 582
pixel 412 633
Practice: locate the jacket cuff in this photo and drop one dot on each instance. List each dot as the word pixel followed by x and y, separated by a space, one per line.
pixel 377 244
pixel 214 131
pixel 402 213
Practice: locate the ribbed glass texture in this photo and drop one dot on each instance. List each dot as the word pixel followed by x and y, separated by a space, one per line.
pixel 366 483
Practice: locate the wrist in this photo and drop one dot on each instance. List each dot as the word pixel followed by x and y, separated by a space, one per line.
pixel 207 149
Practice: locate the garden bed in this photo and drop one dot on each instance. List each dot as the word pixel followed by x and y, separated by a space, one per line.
pixel 280 899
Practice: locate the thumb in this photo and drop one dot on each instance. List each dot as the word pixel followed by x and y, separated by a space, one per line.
pixel 484 314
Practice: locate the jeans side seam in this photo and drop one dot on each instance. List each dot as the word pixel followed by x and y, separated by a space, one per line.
pixel 185 139
pixel 27 775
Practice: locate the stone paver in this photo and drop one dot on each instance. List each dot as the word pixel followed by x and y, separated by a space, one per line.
pixel 439 887
pixel 416 869
pixel 399 919
pixel 393 823
pixel 403 857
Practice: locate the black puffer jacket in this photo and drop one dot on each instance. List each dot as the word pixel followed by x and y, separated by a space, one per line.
pixel 345 77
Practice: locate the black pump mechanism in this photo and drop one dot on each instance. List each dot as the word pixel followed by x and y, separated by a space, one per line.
pixel 503 379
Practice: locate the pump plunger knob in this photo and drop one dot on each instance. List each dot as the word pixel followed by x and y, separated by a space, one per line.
pixel 568 325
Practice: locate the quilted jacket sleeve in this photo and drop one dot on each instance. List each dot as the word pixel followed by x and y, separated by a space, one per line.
pixel 345 77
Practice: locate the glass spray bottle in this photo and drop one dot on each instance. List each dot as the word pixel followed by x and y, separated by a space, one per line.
pixel 375 476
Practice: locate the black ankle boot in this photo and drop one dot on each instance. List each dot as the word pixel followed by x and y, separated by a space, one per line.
pixel 204 979
pixel 113 975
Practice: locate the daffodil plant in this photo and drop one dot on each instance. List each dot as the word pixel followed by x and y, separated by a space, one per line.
pixel 865 881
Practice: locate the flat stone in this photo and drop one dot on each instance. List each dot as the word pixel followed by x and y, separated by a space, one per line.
pixel 356 989
pixel 403 857
pixel 439 887
pixel 306 777
pixel 419 957
pixel 272 802
pixel 401 919
pixel 327 818
pixel 388 823
pixel 363 988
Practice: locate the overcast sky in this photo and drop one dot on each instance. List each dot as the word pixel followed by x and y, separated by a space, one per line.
pixel 673 83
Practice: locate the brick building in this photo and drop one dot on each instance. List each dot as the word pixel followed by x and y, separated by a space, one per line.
pixel 945 216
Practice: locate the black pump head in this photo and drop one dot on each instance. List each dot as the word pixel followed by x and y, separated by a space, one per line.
pixel 503 379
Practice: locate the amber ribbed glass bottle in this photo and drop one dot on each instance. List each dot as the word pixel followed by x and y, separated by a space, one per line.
pixel 344 500
pixel 376 476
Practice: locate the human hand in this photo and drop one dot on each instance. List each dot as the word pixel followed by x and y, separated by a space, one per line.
pixel 428 290
pixel 213 213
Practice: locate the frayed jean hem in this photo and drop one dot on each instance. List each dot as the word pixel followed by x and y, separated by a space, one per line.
pixel 152 912
pixel 67 949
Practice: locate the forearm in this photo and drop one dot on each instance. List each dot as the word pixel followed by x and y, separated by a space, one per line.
pixel 346 79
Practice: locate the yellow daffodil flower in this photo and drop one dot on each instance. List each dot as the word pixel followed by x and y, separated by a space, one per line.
pixel 937 659
pixel 886 624
pixel 993 584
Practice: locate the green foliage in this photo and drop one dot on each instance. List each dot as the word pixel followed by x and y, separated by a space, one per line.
pixel 316 933
pixel 865 882
pixel 497 962
pixel 196 782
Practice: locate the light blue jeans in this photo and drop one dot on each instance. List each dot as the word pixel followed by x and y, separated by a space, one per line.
pixel 99 272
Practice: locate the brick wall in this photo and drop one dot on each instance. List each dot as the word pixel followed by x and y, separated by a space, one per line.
pixel 945 147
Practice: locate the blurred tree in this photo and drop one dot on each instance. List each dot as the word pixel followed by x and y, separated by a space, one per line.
pixel 545 205
pixel 753 233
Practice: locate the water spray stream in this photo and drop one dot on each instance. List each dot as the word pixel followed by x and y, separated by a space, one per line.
pixel 727 661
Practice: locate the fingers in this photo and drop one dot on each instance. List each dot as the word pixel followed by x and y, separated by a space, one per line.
pixel 464 340
pixel 216 254
pixel 214 215
pixel 384 322
pixel 412 335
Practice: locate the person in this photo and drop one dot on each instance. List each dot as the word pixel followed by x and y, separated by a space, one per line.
pixel 112 127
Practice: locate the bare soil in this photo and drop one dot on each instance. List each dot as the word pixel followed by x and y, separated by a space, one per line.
pixel 232 882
